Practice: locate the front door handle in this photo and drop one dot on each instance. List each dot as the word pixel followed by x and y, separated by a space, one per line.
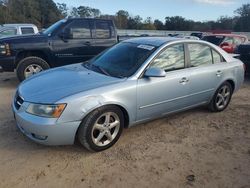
pixel 184 80
pixel 87 43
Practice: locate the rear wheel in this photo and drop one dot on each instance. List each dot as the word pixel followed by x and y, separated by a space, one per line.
pixel 221 98
pixel 30 66
pixel 101 128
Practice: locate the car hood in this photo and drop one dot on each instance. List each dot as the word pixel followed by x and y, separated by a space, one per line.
pixel 23 38
pixel 52 85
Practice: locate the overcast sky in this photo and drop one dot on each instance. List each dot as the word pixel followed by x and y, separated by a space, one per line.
pixel 198 10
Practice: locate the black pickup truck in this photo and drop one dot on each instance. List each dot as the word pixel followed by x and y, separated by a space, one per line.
pixel 65 42
pixel 244 51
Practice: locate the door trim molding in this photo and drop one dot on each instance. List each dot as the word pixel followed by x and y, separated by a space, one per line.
pixel 177 98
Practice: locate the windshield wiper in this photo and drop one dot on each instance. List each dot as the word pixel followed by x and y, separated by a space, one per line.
pixel 101 69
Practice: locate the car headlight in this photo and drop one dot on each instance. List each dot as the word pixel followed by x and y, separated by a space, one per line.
pixel 44 110
pixel 5 49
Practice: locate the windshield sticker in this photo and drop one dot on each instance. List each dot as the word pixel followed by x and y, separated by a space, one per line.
pixel 146 47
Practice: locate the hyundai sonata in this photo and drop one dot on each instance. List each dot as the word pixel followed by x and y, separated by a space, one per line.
pixel 135 81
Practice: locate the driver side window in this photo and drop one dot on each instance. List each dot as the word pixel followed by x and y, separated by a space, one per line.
pixel 172 58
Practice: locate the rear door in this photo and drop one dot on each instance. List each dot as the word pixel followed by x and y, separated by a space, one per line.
pixel 104 35
pixel 27 30
pixel 78 47
pixel 206 72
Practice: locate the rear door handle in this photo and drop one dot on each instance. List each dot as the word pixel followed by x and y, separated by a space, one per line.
pixel 184 80
pixel 218 73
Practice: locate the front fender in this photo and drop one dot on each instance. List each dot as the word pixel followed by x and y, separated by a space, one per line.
pixel 78 109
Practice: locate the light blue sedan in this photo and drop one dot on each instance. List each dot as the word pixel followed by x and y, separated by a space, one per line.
pixel 135 81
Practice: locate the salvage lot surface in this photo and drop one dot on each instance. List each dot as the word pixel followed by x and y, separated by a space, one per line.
pixel 189 149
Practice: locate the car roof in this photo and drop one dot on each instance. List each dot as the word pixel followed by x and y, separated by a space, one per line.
pixel 153 41
pixel 15 25
pixel 227 35
pixel 101 19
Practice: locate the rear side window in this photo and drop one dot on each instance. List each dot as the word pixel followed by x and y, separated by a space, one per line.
pixel 200 54
pixel 79 29
pixel 172 58
pixel 216 57
pixel 8 32
pixel 102 30
pixel 27 30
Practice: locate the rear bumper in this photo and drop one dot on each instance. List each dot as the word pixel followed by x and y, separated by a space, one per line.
pixel 7 64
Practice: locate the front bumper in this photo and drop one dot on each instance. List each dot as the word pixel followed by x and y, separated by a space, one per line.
pixel 7 63
pixel 45 131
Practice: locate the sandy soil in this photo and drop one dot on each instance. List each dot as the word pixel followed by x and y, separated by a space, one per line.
pixel 190 149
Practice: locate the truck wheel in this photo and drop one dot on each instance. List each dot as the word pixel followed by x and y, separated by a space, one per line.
pixel 30 66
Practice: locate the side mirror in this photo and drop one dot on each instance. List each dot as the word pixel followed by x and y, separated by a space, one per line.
pixel 155 72
pixel 65 34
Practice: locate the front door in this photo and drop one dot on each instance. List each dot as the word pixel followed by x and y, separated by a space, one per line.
pixel 158 96
pixel 77 47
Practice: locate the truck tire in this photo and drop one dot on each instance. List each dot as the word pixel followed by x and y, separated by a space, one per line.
pixel 30 66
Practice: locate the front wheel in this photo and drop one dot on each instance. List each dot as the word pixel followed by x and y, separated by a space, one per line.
pixel 221 98
pixel 101 128
pixel 30 66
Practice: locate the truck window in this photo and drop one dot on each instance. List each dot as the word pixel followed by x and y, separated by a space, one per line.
pixel 27 30
pixel 102 30
pixel 8 32
pixel 79 29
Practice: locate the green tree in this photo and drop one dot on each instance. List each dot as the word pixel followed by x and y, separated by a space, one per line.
pixel 122 17
pixel 148 24
pixel 74 13
pixel 40 12
pixel 225 23
pixel 134 22
pixel 159 25
pixel 88 12
pixel 243 18
pixel 63 9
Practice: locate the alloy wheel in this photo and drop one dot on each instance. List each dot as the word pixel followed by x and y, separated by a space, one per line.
pixel 223 97
pixel 105 129
pixel 32 69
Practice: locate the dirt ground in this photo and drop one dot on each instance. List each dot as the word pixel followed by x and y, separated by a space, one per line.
pixel 189 149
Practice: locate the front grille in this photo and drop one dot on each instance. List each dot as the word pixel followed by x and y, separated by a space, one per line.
pixel 18 101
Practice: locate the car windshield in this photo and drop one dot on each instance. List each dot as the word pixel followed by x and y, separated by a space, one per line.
pixel 217 40
pixel 53 27
pixel 122 60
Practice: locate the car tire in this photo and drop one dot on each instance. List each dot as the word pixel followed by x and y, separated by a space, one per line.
pixel 221 98
pixel 29 66
pixel 101 128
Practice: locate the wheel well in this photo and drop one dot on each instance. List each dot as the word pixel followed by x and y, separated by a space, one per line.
pixel 231 82
pixel 126 116
pixel 124 111
pixel 25 54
